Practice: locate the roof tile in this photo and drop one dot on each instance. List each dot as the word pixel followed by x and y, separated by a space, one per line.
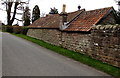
pixel 84 21
pixel 87 19
pixel 53 20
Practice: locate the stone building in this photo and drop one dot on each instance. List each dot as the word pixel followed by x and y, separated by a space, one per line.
pixel 78 31
pixel 80 20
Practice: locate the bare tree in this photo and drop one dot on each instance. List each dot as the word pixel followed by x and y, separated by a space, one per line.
pixel 118 12
pixel 15 5
pixel 43 14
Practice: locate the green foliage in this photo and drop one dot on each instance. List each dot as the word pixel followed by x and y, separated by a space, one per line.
pixel 24 30
pixel 27 22
pixel 26 16
pixel 114 71
pixel 6 28
pixel 53 11
pixel 15 29
pixel 118 21
pixel 35 13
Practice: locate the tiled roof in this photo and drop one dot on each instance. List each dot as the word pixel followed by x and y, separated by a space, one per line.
pixel 87 19
pixel 52 20
pixel 84 21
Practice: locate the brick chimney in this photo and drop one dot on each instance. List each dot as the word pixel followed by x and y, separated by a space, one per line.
pixel 63 18
pixel 63 15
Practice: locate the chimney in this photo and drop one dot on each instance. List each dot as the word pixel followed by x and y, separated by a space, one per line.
pixel 63 15
pixel 79 7
pixel 64 7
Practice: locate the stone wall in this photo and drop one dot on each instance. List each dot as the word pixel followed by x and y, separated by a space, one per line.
pixel 52 36
pixel 77 42
pixel 103 43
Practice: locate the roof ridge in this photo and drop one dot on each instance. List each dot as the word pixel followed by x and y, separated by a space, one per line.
pixel 101 8
pixel 76 11
pixel 105 14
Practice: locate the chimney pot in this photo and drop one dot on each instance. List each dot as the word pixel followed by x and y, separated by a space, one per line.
pixel 63 16
pixel 64 8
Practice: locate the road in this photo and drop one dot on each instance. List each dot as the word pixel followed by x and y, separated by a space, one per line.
pixel 24 58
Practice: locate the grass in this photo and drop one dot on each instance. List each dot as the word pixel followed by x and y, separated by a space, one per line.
pixel 114 71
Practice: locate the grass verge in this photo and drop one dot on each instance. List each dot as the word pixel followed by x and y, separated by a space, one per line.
pixel 114 71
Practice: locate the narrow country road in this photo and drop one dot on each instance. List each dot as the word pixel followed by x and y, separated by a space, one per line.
pixel 23 58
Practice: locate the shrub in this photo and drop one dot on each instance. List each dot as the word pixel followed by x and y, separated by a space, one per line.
pixel 24 30
pixel 7 28
pixel 17 29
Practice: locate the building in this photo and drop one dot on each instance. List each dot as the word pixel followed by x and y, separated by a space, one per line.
pixel 80 20
pixel 92 33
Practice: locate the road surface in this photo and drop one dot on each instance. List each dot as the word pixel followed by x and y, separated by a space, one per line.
pixel 24 58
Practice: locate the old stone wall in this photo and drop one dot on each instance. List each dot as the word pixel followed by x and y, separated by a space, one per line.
pixel 103 43
pixel 77 42
pixel 52 36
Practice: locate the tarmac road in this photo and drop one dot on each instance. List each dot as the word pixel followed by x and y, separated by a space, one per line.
pixel 24 58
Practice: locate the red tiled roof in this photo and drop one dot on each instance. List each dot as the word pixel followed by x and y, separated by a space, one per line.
pixel 53 20
pixel 87 19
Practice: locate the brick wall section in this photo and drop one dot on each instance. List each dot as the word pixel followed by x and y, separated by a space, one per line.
pixel 103 43
pixel 52 36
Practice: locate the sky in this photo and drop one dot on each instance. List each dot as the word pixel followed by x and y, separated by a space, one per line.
pixel 71 5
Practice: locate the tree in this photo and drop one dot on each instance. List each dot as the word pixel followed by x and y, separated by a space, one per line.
pixel 118 12
pixel 43 14
pixel 26 16
pixel 53 11
pixel 12 5
pixel 35 13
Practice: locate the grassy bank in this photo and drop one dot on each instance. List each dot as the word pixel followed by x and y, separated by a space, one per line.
pixel 114 71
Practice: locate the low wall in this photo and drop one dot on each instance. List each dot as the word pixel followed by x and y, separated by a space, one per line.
pixel 77 42
pixel 52 36
pixel 103 43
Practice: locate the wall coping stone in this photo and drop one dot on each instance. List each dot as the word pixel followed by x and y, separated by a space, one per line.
pixel 105 27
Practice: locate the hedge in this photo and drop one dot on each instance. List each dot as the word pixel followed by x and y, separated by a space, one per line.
pixel 15 29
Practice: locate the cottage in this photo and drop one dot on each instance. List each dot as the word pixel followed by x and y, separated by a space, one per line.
pixel 75 31
pixel 80 20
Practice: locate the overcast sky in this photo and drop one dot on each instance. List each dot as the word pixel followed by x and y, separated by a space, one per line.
pixel 71 5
